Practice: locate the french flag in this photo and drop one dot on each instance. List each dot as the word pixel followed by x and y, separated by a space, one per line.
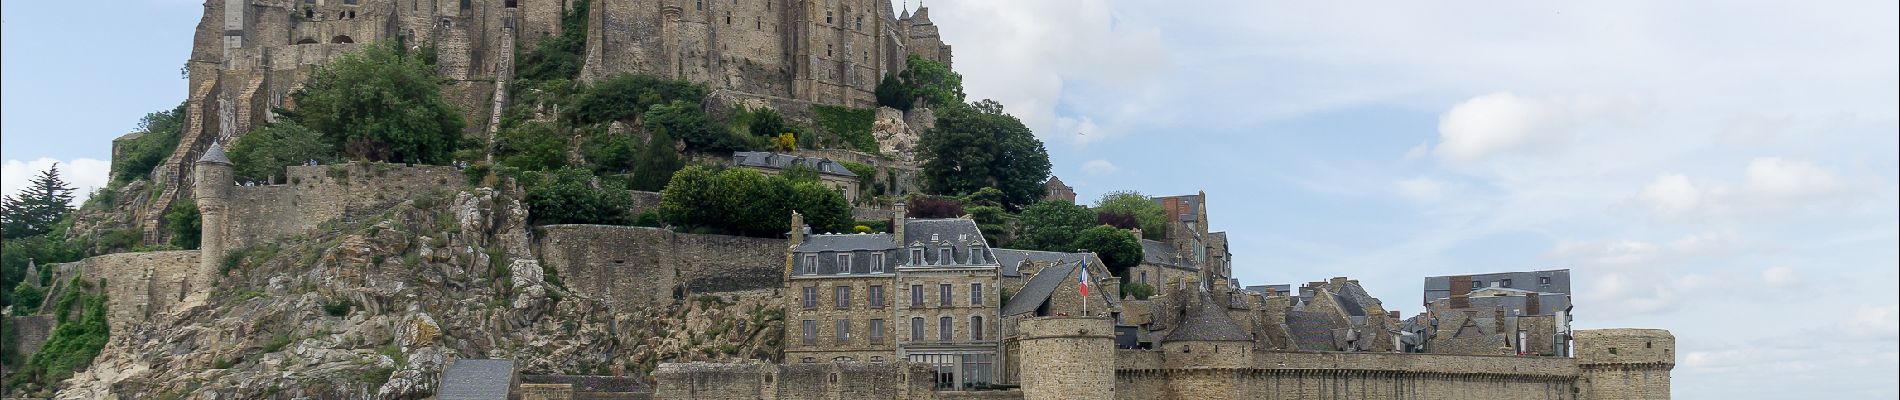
pixel 1083 280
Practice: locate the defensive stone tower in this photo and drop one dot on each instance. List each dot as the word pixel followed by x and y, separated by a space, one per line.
pixel 211 188
pixel 1068 358
pixel 1625 363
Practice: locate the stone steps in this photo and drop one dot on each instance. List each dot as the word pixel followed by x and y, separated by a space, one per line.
pixel 173 173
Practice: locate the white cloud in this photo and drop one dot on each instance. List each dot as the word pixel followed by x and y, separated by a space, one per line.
pixel 1098 167
pixel 1502 122
pixel 1419 151
pixel 83 174
pixel 1873 322
pixel 1775 176
pixel 1780 277
pixel 1421 189
pixel 1672 194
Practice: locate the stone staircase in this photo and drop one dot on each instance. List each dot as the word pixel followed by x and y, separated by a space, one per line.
pixel 175 173
pixel 504 74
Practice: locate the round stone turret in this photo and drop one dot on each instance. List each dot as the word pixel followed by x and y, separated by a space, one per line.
pixel 1067 358
pixel 212 180
pixel 1625 363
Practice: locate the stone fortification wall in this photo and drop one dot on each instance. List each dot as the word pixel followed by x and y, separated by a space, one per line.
pixel 835 381
pixel 629 266
pixel 1064 357
pixel 643 202
pixel 316 194
pixel 1141 374
pixel 31 333
pixel 138 285
pixel 1625 363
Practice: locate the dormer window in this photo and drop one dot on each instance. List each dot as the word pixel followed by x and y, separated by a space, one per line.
pixel 1545 280
pixel 917 255
pixel 976 256
pixel 943 256
pixel 877 262
pixel 811 263
pixel 844 263
pixel 1505 283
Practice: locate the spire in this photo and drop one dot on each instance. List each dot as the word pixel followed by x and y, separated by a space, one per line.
pixel 214 155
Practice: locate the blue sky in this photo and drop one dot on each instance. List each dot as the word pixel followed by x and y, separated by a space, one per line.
pixel 1725 170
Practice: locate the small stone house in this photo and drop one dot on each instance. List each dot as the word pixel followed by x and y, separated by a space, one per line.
pixel 831 173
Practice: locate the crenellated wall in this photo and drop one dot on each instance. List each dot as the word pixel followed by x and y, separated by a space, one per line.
pixel 629 266
pixel 831 381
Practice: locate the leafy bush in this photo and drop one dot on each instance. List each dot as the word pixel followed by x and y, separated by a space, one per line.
pixel 1052 226
pixel 934 207
pixel 979 146
pixel 557 57
pixel 1146 214
pixel 892 92
pixel 162 130
pixel 43 249
pixel 657 163
pixel 263 153
pixel 1141 291
pixel 689 123
pixel 623 97
pixel 933 81
pixel 742 201
pixel 75 340
pixel 571 196
pixel 1119 249
pixel 338 308
pixel 1119 220
pixel 383 103
pixel 532 146
pixel 851 124
pixel 184 222
pixel 27 297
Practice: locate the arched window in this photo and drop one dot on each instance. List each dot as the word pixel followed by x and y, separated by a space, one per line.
pixel 827 50
pixel 342 39
pixel 728 18
pixel 306 41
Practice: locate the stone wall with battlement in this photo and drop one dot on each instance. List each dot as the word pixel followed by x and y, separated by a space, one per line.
pixel 832 381
pixel 313 195
pixel 632 266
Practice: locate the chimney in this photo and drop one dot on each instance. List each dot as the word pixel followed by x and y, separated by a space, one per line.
pixel 898 218
pixel 1137 232
pixel 1393 314
pixel 797 235
pixel 1497 320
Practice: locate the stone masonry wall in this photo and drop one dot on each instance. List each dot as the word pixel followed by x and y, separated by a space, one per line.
pixel 628 266
pixel 1307 375
pixel 1626 363
pixel 31 332
pixel 314 195
pixel 1063 358
pixel 835 381
pixel 138 285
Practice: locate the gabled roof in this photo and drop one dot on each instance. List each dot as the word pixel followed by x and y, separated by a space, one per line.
pixel 1011 258
pixel 1208 322
pixel 1160 253
pixel 1039 288
pixel 477 380
pixel 1311 331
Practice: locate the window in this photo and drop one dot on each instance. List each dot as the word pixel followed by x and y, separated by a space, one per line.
pixel 877 262
pixel 827 17
pixel 827 50
pixel 877 331
pixel 811 263
pixel 811 332
pixel 943 295
pixel 811 297
pixel 860 22
pixel 944 327
pixel 844 263
pixel 844 331
pixel 917 256
pixel 844 297
pixel 976 294
pixel 699 5
pixel 728 18
pixel 976 327
pixel 1543 280
pixel 916 295
pixel 1144 277
pixel 1476 284
pixel 943 256
pixel 1505 283
pixel 916 329
pixel 877 296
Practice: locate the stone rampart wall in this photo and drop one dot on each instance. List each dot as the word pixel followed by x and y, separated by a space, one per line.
pixel 31 333
pixel 313 195
pixel 628 266
pixel 833 381
pixel 1313 375
pixel 138 285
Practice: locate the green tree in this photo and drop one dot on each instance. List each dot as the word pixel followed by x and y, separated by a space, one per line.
pixel 1153 219
pixel 933 81
pixel 27 297
pixel 263 153
pixel 742 201
pixel 75 339
pixel 557 57
pixel 185 224
pixel 611 153
pixel 161 130
pixel 979 146
pixel 892 92
pixel 45 249
pixel 38 207
pixel 381 104
pixel 1051 226
pixel 659 159
pixel 1119 249
pixel 688 123
pixel 624 97
pixel 572 196
pixel 995 223
pixel 533 146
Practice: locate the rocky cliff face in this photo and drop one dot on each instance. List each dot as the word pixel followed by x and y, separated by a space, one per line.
pixel 375 307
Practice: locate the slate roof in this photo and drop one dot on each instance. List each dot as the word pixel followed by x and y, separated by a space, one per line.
pixel 1311 331
pixel 1039 288
pixel 1282 289
pixel 477 380
pixel 850 242
pixel 957 234
pixel 763 159
pixel 1011 258
pixel 214 155
pixel 1439 287
pixel 1208 322
pixel 1159 253
pixel 1352 308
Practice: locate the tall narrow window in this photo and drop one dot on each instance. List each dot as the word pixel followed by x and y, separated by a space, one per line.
pixel 917 256
pixel 976 256
pixel 844 263
pixel 976 294
pixel 943 256
pixel 916 329
pixel 916 295
pixel 876 333
pixel 945 326
pixel 811 332
pixel 976 327
pixel 827 17
pixel 1144 277
pixel 811 263
pixel 877 262
pixel 844 297
pixel 877 296
pixel 943 295
pixel 844 331
pixel 811 297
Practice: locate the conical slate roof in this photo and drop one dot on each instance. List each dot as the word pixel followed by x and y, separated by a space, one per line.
pixel 214 155
pixel 1206 322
